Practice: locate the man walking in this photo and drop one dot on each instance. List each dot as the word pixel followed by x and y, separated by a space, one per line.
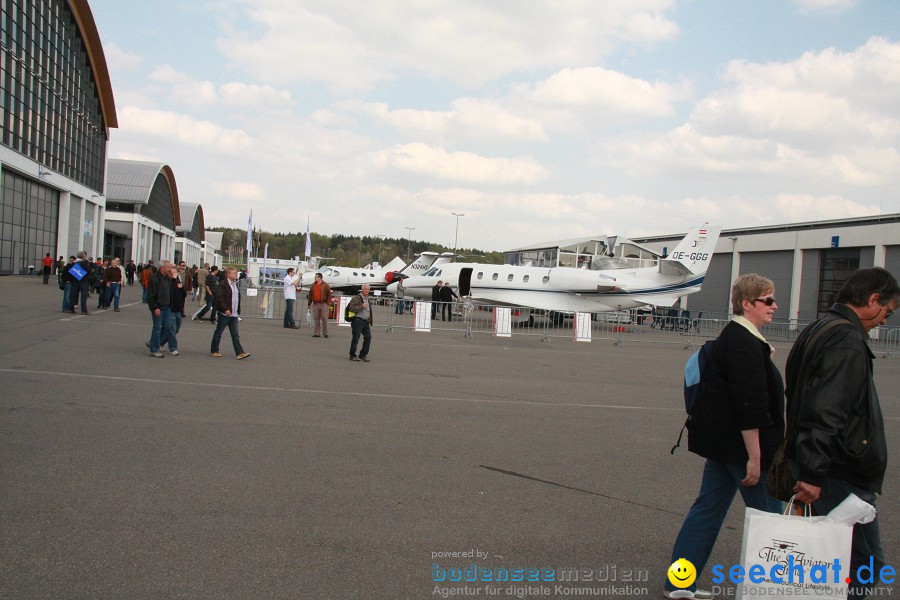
pixel 47 268
pixel 318 299
pixel 290 298
pixel 113 278
pixel 159 301
pixel 228 305
pixel 835 432
pixel 80 278
pixel 169 334
pixel 130 268
pixel 202 274
pixel 210 284
pixel 361 323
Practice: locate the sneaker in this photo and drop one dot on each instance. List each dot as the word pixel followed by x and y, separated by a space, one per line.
pixel 157 354
pixel 326 335
pixel 243 355
pixel 147 344
pixel 174 353
pixel 353 358
pixel 697 594
pixel 216 354
pixel 364 358
pixel 316 336
pixel 117 310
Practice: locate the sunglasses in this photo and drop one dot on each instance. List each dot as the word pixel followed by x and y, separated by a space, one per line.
pixel 767 301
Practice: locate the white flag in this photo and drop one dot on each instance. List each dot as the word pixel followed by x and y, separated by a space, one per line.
pixel 308 241
pixel 249 234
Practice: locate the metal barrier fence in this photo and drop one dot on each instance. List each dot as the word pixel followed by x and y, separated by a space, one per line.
pixel 470 319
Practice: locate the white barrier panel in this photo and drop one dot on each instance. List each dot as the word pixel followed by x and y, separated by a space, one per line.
pixel 582 327
pixel 251 292
pixel 422 316
pixel 502 321
pixel 344 301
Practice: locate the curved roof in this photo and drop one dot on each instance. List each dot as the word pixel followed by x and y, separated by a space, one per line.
pixel 131 181
pixel 85 19
pixel 191 211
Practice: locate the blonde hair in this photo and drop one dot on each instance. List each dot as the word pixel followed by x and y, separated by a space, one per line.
pixel 749 287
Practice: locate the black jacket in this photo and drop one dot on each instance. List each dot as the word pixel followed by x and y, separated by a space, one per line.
pixel 742 390
pixel 222 302
pixel 436 293
pixel 447 294
pixel 835 425
pixel 159 292
pixel 178 296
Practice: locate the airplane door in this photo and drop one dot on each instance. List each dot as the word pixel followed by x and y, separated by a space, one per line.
pixel 465 281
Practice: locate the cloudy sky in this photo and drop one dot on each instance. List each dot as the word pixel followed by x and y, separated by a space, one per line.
pixel 536 119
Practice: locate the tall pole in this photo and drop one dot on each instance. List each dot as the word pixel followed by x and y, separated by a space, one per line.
pixel 409 231
pixel 456 237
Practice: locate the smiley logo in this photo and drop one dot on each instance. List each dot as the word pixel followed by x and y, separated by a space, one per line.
pixel 682 573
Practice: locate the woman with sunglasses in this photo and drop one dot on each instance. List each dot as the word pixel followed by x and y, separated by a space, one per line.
pixel 737 424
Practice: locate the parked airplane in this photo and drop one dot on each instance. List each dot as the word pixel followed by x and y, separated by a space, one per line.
pixel 565 289
pixel 352 278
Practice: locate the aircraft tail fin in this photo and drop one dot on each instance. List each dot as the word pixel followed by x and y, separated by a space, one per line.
pixel 395 265
pixel 693 254
pixel 422 263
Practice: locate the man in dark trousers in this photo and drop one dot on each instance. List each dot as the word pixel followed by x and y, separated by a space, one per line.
pixel 361 323
pixel 435 298
pixel 447 295
pixel 80 286
pixel 835 432
pixel 228 305
pixel 210 285
pixel 159 300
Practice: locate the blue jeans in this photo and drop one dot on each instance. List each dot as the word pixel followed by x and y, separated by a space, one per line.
pixel 360 327
pixel 701 527
pixel 80 287
pixel 112 292
pixel 159 333
pixel 866 538
pixel 399 308
pixel 289 312
pixel 232 324
pixel 144 295
pixel 67 297
pixel 169 331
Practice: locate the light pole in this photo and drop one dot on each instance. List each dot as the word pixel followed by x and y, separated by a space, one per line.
pixel 409 231
pixel 456 237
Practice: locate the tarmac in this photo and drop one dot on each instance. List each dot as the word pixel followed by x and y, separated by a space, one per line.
pixel 299 474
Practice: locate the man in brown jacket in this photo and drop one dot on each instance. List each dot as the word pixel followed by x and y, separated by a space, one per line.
pixel 228 307
pixel 319 299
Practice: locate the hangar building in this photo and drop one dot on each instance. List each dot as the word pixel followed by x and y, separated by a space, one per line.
pixel 56 110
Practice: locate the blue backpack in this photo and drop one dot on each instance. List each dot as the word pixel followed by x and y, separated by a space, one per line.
pixel 694 372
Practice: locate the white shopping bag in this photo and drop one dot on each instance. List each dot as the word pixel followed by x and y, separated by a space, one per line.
pixel 809 544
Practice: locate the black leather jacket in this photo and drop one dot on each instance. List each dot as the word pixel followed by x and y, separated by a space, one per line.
pixel 835 426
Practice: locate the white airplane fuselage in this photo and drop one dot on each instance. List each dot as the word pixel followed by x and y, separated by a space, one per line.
pixel 567 289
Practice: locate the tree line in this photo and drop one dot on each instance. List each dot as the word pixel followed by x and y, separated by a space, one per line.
pixel 345 250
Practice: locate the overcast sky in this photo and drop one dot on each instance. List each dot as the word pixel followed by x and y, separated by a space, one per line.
pixel 537 119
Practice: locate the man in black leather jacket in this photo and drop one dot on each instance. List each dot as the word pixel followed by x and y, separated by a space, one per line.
pixel 835 428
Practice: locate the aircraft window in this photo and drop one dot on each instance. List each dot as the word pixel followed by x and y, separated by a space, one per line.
pixel 335 273
pixel 509 277
pixel 441 271
pixel 480 275
pixel 494 277
pixel 524 278
pixel 371 274
pixel 546 279
pixel 354 273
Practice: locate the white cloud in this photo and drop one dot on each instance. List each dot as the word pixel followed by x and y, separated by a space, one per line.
pixel 120 60
pixel 246 191
pixel 422 159
pixel 806 207
pixel 824 6
pixel 183 129
pixel 244 94
pixel 828 118
pixel 352 45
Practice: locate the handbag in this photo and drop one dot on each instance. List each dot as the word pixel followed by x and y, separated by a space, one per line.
pixel 773 541
pixel 781 480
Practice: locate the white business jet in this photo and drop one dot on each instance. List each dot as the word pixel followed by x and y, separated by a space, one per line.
pixel 565 289
pixel 352 278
